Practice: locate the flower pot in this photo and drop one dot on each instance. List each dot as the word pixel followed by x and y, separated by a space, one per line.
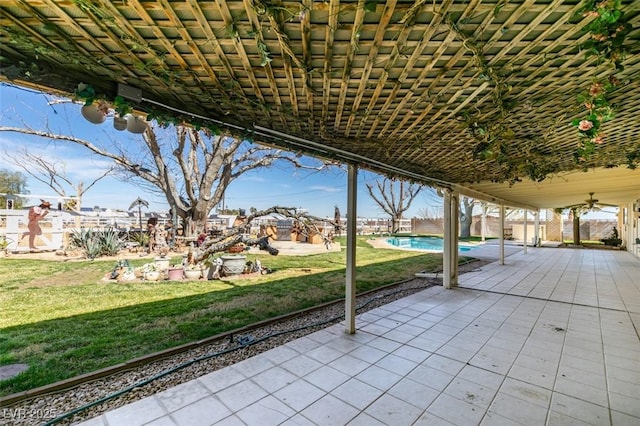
pixel 93 114
pixel 162 263
pixel 192 274
pixel 119 123
pixel 152 275
pixel 233 265
pixel 175 274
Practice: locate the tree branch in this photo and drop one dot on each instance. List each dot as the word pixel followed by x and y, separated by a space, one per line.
pixel 238 234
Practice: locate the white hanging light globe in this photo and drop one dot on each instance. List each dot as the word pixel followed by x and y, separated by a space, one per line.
pixel 93 114
pixel 136 124
pixel 120 123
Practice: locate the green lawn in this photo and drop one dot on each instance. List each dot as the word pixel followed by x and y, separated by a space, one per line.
pixel 62 320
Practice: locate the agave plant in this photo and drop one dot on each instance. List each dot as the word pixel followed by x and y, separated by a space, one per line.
pixel 104 242
pixel 109 241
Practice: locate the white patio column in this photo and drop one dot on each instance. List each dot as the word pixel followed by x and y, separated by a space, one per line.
pixel 450 246
pixel 446 248
pixel 501 256
pixel 526 213
pixel 455 232
pixel 350 279
pixel 483 222
pixel 536 228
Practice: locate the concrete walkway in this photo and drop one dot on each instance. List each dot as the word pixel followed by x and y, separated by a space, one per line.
pixel 550 338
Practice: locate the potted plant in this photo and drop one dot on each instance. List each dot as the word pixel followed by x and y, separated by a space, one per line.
pixel 175 272
pixel 150 272
pixel 162 262
pixel 613 239
pixel 233 264
pixel 192 271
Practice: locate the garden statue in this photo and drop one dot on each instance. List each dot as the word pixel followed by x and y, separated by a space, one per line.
pixel 36 214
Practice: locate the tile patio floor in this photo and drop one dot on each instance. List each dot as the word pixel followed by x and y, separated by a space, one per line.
pixel 550 338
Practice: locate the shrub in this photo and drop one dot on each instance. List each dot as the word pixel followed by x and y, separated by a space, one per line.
pixel 97 243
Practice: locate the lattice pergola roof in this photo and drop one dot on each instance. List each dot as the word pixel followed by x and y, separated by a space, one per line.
pixel 394 85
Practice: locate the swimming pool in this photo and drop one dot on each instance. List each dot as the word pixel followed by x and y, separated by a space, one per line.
pixel 422 243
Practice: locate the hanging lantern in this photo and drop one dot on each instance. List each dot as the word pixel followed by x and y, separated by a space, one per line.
pixel 136 124
pixel 120 123
pixel 93 114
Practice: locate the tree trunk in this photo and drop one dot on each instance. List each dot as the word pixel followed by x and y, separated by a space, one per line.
pixel 395 224
pixel 196 220
pixel 576 228
pixel 466 217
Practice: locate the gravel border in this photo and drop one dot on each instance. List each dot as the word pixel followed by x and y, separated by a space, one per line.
pixel 45 408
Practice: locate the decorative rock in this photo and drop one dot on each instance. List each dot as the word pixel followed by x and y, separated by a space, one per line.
pixel 12 370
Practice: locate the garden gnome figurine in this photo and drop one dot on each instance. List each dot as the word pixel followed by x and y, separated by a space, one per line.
pixel 36 213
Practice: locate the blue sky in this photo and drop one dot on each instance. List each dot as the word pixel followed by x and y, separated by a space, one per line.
pixel 318 192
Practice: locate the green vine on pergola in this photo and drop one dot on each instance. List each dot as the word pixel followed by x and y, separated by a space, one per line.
pixel 608 29
pixel 494 136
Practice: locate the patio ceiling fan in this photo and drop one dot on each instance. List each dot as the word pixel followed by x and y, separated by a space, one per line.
pixel 590 203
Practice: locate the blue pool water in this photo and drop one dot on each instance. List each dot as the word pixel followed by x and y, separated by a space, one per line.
pixel 422 243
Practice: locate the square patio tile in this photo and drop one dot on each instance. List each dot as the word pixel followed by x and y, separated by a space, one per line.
pixel 428 419
pixel 414 393
pixel 431 377
pixel 518 410
pixel 470 392
pixel 265 412
pixel 326 378
pixel 581 410
pixel 137 413
pixel 301 365
pixel 184 394
pixel 396 364
pixel 299 394
pixel 241 394
pixel 578 390
pixel 493 419
pixel 221 379
pixel 379 377
pixel 393 411
pixel 204 412
pixel 456 411
pixel 274 378
pixel 526 391
pixel 363 419
pixel 368 354
pixel 443 363
pixel 625 404
pixel 482 377
pixel 330 411
pixel 349 365
pixel 162 421
pixel 356 393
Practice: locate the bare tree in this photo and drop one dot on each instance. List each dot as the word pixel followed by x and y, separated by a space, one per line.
pixel 53 174
pixel 466 215
pixel 192 171
pixel 574 214
pixel 394 197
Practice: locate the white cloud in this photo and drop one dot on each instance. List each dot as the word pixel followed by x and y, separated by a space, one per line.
pixel 324 188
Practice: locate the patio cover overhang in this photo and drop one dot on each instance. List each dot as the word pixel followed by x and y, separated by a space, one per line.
pixel 395 87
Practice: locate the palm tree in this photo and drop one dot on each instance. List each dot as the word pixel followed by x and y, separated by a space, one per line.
pixel 139 202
